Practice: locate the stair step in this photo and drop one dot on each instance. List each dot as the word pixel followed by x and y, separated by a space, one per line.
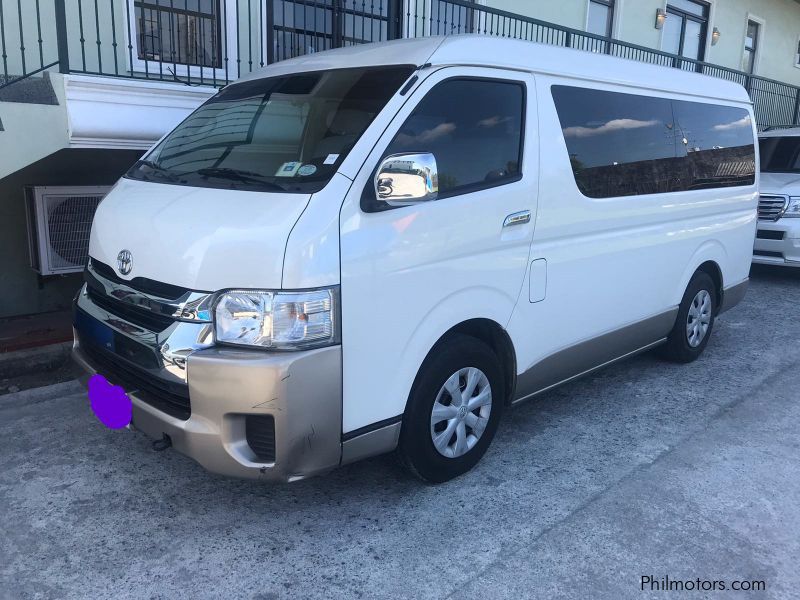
pixel 32 90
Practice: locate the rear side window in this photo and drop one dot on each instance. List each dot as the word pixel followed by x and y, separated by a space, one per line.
pixel 474 129
pixel 627 145
pixel 715 144
pixel 619 144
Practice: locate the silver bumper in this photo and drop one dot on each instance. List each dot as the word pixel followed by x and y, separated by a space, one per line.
pixel 784 249
pixel 301 391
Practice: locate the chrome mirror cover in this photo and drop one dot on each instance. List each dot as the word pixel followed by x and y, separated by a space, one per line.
pixel 404 179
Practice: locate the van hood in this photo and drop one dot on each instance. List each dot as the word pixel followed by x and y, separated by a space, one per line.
pixel 780 183
pixel 197 238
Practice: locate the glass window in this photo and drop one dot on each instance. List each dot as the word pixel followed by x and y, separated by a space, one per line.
pixel 600 20
pixel 693 39
pixel 619 144
pixel 780 154
pixel 186 33
pixel 286 133
pixel 716 144
pixel 625 145
pixel 306 26
pixel 699 9
pixel 473 128
pixel 685 29
pixel 750 47
pixel 672 36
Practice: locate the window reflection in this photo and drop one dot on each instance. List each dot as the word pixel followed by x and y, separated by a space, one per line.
pixel 614 139
pixel 624 144
pixel 472 127
pixel 716 144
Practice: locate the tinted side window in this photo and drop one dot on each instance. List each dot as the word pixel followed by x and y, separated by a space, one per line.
pixel 717 145
pixel 472 127
pixel 625 144
pixel 780 155
pixel 618 144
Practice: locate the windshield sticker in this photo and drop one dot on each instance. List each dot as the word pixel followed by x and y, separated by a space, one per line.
pixel 289 169
pixel 307 170
pixel 332 158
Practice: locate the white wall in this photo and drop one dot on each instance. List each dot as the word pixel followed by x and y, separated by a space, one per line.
pixel 571 13
pixel 635 23
pixel 779 36
pixel 32 131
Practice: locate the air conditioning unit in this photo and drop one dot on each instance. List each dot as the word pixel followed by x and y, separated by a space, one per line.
pixel 59 224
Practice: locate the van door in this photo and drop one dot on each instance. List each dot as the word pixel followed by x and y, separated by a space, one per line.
pixel 612 240
pixel 409 274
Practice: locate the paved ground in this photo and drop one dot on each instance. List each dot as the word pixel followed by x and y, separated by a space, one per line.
pixel 645 469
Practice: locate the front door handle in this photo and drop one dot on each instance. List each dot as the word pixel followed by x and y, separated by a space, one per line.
pixel 517 218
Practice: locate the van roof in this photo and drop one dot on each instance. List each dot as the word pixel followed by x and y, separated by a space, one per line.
pixel 492 51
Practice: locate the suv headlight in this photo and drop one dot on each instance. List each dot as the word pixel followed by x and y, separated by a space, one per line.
pixel 793 208
pixel 278 320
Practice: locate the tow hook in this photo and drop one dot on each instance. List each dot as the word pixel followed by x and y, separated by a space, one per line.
pixel 162 444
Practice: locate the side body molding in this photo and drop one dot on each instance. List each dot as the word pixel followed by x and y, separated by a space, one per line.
pixel 592 354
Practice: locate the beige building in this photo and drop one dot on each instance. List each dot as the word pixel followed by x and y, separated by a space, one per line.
pixel 756 36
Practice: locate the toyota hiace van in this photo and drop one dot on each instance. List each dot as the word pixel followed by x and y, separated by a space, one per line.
pixel 384 247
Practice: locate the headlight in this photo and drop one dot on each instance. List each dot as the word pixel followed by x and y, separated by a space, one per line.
pixel 278 320
pixel 793 209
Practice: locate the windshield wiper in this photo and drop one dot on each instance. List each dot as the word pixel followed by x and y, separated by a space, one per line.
pixel 156 168
pixel 237 175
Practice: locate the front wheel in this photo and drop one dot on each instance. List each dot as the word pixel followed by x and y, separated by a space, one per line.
pixel 453 410
pixel 695 321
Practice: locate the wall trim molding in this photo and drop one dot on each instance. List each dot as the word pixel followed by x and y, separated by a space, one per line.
pixel 116 113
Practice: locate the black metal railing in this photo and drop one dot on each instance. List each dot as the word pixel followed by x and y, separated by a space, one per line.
pixel 775 102
pixel 303 26
pixel 213 42
pixel 27 39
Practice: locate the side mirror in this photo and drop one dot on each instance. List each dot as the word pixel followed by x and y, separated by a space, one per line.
pixel 405 179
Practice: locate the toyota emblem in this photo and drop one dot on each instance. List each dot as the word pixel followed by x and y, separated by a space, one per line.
pixel 125 262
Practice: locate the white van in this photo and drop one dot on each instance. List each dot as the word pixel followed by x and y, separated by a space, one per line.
pixel 778 235
pixel 385 246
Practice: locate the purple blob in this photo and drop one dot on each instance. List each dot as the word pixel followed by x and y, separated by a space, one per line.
pixel 110 403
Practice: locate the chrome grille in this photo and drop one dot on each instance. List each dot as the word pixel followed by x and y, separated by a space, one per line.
pixel 770 208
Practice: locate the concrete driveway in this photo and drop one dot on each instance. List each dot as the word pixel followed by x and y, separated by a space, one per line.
pixel 646 469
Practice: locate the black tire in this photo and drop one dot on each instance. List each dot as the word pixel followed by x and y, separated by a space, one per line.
pixel 416 448
pixel 678 347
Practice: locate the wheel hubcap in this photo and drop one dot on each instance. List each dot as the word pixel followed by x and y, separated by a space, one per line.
pixel 699 319
pixel 461 412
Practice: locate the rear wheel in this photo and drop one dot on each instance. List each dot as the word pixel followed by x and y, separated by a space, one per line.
pixel 453 410
pixel 696 314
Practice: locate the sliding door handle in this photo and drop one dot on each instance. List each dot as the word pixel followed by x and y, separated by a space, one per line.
pixel 517 218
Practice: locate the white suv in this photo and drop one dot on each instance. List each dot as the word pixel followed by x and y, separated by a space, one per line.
pixel 778 236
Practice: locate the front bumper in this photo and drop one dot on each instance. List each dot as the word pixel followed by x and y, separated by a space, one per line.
pixel 300 390
pixel 778 242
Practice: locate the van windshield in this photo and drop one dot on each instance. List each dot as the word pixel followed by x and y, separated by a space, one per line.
pixel 780 154
pixel 279 134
